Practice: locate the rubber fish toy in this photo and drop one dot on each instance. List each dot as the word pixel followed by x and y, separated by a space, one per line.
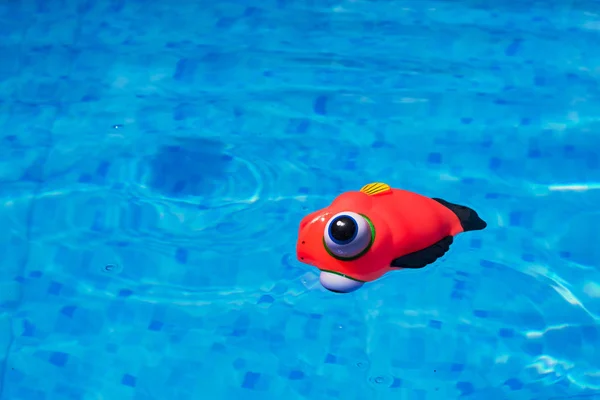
pixel 363 235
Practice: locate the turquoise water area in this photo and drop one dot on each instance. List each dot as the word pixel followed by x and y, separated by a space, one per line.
pixel 156 158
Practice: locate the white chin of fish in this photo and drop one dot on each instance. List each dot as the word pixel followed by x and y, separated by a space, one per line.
pixel 338 283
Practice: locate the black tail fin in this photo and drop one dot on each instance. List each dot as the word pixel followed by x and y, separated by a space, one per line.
pixel 469 219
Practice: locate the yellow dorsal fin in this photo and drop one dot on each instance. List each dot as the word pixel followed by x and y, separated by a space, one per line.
pixel 375 188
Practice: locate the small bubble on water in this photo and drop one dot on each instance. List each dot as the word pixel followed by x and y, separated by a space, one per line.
pixel 112 268
pixel 379 379
pixel 117 126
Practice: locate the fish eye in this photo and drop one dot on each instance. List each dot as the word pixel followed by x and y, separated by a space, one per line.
pixel 347 235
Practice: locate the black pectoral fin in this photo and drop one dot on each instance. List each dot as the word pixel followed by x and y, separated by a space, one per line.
pixel 469 219
pixel 421 258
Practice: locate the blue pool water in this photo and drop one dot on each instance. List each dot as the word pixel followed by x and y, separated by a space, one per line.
pixel 155 161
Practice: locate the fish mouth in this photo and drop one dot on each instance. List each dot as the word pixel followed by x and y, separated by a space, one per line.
pixel 337 283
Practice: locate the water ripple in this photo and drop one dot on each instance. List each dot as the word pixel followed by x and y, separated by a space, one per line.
pixel 189 141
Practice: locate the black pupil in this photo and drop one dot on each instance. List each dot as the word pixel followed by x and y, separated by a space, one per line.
pixel 343 229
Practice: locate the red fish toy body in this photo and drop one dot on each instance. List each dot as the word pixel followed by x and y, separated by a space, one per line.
pixel 363 235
